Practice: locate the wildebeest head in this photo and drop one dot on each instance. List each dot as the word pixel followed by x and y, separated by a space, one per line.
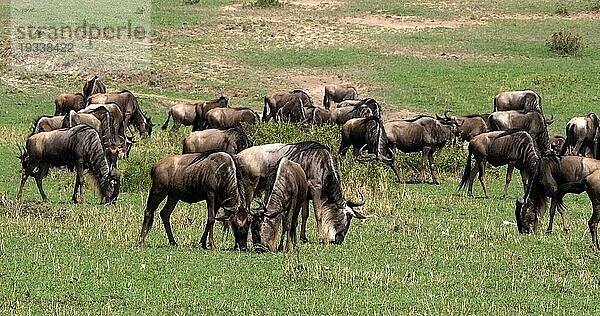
pixel 239 219
pixel 341 224
pixel 114 187
pixel 144 125
pixel 526 216
pixel 264 228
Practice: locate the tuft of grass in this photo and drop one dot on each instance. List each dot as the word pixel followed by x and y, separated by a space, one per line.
pixel 266 3
pixel 561 9
pixel 565 43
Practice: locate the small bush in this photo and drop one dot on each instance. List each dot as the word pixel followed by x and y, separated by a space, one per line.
pixel 564 43
pixel 267 3
pixel 561 10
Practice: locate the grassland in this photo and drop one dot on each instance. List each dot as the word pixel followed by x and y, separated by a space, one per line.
pixel 424 249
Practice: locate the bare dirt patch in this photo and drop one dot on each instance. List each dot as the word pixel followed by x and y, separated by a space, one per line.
pixel 314 3
pixel 407 22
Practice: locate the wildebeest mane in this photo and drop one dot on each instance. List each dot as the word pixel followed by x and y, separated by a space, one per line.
pixel 85 141
pixel 240 137
pixel 238 174
pixel 416 118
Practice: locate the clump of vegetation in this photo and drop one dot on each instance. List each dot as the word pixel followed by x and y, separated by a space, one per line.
pixel 565 43
pixel 561 10
pixel 595 6
pixel 267 3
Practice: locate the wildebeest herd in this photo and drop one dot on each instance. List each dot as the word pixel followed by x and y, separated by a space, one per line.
pixel 219 164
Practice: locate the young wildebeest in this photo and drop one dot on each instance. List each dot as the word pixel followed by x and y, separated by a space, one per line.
pixel 128 104
pixel 47 124
pixel 287 188
pixel 513 147
pixel 590 184
pixel 533 123
pixel 231 140
pixel 338 93
pixel 192 178
pixel 78 147
pixel 66 102
pixel 223 118
pixel 186 113
pixel 553 171
pixel 368 133
pixel 275 101
pixel 470 126
pixel 93 86
pixel 525 101
pixel 557 143
pixel 581 135
pixel 332 212
pixel 423 133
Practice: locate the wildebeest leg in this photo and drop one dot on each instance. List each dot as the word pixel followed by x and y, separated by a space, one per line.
pixel 472 176
pixel 554 206
pixel 24 178
pixel 481 176
pixel 432 165
pixel 154 199
pixel 294 226
pixel 578 147
pixel 344 145
pixel 165 215
pixel 78 181
pixel 39 175
pixel 176 124
pixel 424 163
pixel 509 172
pixel 304 219
pixel 210 222
pixel 593 222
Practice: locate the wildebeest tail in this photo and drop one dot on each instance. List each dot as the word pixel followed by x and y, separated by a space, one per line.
pixel 467 172
pixel 570 130
pixel 265 109
pixel 166 124
pixel 495 103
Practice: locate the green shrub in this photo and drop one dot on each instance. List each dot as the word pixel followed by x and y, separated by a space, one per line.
pixel 565 43
pixel 267 3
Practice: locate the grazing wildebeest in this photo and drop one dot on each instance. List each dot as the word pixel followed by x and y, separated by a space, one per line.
pixel 368 133
pixel 186 113
pixel 287 188
pixel 514 148
pixel 525 101
pixel 128 104
pixel 224 118
pixel 275 101
pixel 470 126
pixel 110 114
pixel 590 184
pixel 93 86
pixel 231 140
pixel 557 143
pixel 424 133
pixel 338 93
pixel 366 108
pixel 192 178
pixel 66 102
pixel 533 123
pixel 73 118
pixel 292 111
pixel 78 147
pixel 320 116
pixel 47 124
pixel 332 212
pixel 581 135
pixel 553 171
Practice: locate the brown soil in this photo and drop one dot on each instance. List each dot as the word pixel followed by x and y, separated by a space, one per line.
pixel 407 22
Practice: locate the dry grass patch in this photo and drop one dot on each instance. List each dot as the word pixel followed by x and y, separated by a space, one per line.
pixel 408 22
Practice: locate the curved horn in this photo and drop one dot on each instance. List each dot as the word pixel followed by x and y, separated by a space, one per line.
pixel 438 117
pixel 353 204
pixel 446 114
pixel 549 121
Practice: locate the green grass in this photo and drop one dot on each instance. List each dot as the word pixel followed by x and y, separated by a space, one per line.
pixel 424 249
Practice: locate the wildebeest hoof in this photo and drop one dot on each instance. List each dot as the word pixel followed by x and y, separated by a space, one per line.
pixel 304 239
pixel 549 231
pixel 567 230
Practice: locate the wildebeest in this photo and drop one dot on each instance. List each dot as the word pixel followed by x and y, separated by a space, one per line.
pixel 47 124
pixel 532 122
pixel 368 133
pixel 332 212
pixel 223 118
pixel 231 140
pixel 66 102
pixel 275 101
pixel 366 108
pixel 514 148
pixel 192 178
pixel 93 86
pixel 553 171
pixel 112 118
pixel 73 118
pixel 424 133
pixel 557 143
pixel 186 113
pixel 287 188
pixel 470 126
pixel 525 101
pixel 338 93
pixel 78 147
pixel 581 134
pixel 590 184
pixel 128 104
pixel 292 111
